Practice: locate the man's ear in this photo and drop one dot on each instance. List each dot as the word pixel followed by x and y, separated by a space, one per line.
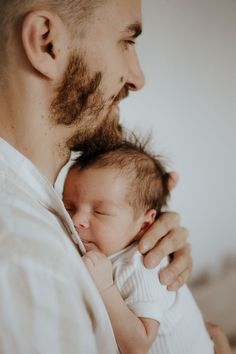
pixel 42 39
pixel 148 220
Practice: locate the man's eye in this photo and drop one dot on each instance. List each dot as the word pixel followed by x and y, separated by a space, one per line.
pixel 128 43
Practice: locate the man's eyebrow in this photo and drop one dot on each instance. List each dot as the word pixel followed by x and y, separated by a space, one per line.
pixel 135 29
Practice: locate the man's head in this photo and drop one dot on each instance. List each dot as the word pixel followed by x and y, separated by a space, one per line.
pixel 80 53
pixel 114 195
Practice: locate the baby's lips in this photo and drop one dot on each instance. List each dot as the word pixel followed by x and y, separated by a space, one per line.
pixel 88 245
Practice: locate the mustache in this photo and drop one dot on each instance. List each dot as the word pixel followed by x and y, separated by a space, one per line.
pixel 124 92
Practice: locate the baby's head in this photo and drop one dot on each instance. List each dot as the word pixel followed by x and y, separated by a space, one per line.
pixel 114 195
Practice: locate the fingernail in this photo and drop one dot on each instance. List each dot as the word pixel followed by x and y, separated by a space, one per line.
pixel 153 260
pixel 145 246
pixel 169 277
pixel 173 287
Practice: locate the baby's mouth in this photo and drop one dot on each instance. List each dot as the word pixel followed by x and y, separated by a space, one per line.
pixel 88 245
pixel 85 242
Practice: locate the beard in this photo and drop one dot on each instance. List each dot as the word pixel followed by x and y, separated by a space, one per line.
pixel 79 102
pixel 105 137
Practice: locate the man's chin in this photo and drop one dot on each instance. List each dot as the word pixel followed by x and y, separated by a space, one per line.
pixel 115 111
pixel 108 131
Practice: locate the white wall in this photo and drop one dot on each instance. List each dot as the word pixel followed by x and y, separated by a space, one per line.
pixel 188 53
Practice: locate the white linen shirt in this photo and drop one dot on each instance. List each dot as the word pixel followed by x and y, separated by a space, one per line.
pixel 48 302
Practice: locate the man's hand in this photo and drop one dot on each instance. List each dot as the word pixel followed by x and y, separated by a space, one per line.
pixel 219 338
pixel 163 238
pixel 99 267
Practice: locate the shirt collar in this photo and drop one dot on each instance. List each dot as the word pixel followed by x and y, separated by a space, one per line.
pixel 41 188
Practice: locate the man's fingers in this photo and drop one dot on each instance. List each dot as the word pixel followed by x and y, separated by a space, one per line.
pixel 166 222
pixel 176 273
pixel 162 239
pixel 213 329
pixel 174 240
pixel 173 180
pixel 219 338
pixel 181 280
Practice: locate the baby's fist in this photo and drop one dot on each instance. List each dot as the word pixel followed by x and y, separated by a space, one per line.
pixel 100 268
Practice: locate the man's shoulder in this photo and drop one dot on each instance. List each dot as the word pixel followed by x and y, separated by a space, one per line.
pixel 34 238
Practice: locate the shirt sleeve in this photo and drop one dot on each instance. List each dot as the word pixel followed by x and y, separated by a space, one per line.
pixel 141 289
pixel 40 312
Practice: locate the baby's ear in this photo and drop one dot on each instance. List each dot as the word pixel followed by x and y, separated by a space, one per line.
pixel 173 179
pixel 148 219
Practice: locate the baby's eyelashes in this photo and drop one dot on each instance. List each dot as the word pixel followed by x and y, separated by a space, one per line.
pixel 99 212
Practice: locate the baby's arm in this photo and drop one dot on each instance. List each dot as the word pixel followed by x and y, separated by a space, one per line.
pixel 133 335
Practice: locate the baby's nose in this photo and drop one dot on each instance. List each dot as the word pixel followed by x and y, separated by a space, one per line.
pixel 80 221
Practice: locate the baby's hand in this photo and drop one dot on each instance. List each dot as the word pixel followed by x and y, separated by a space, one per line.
pixel 100 268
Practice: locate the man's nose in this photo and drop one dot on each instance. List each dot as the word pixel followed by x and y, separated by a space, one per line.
pixel 136 79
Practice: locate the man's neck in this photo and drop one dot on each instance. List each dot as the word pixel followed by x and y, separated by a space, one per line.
pixel 32 135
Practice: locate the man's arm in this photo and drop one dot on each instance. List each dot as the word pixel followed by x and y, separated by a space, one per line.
pixel 166 237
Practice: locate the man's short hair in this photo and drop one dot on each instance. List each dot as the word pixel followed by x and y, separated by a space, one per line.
pixel 12 13
pixel 148 187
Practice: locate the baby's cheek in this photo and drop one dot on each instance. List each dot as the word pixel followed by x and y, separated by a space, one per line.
pixel 99 233
pixel 105 239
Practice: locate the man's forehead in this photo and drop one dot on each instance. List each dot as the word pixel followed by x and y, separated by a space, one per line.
pixel 126 14
pixel 130 11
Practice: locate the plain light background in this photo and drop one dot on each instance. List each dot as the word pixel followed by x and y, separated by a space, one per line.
pixel 188 54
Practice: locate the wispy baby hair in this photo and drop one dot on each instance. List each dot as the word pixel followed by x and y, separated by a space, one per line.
pixel 148 187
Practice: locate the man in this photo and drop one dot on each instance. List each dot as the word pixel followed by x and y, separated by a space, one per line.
pixel 64 67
